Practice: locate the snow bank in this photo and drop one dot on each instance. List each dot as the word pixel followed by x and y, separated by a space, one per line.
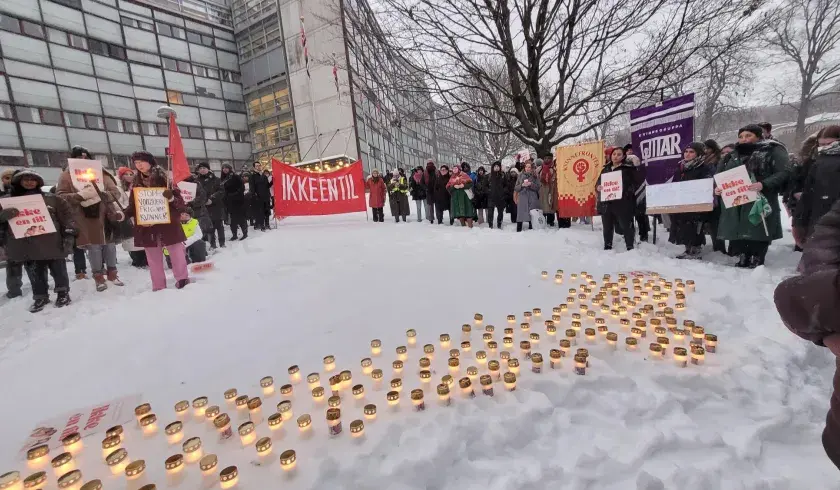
pixel 751 417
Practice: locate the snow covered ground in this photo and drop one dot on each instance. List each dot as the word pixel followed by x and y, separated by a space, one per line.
pixel 750 418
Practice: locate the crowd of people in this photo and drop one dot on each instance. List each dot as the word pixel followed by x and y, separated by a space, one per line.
pixel 91 220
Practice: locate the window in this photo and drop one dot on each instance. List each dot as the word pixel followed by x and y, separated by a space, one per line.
pixel 170 64
pixel 234 106
pixel 128 21
pixel 184 67
pixel 74 120
pixel 209 134
pixel 149 129
pixel 6 111
pixel 189 99
pixel 195 132
pixel 193 37
pixel 222 134
pixel 179 33
pixel 116 52
pixel 56 36
pixel 9 23
pixel 77 41
pixel 174 97
pixel 240 137
pixel 199 71
pixel 94 122
pixel 131 127
pixel 28 114
pixel 76 4
pixel 207 41
pixel 114 125
pixel 98 47
pixel 212 73
pixel 163 129
pixel 51 117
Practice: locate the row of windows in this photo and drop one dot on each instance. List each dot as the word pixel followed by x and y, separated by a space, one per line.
pixel 57 159
pixel 202 71
pixel 180 98
pixel 170 31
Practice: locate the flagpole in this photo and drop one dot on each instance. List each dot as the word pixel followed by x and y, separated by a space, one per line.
pixel 165 112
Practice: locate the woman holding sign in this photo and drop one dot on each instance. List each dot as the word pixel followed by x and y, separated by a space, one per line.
pixel 619 209
pixel 768 167
pixel 687 228
pixel 156 208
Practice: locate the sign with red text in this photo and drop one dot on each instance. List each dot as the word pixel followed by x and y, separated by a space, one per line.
pixel 83 172
pixel 33 217
pixel 87 421
pixel 612 185
pixel 734 184
pixel 188 190
pixel 201 267
pixel 301 193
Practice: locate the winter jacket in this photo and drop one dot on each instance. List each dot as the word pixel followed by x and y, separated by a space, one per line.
pixel 529 197
pixel 417 189
pixel 192 231
pixel 92 231
pixel 215 194
pixel 234 198
pixel 626 205
pixel 376 186
pixel 767 162
pixel 429 177
pixel 481 191
pixel 199 205
pixel 548 194
pixel 461 205
pixel 511 177
pixel 498 190
pixel 50 246
pixel 808 305
pixel 442 197
pixel 162 234
pixel 260 188
pixel 398 188
pixel 820 191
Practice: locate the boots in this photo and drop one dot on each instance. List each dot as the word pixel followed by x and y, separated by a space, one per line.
pixel 62 300
pixel 182 283
pixel 112 276
pixel 743 261
pixel 101 285
pixel 81 275
pixel 39 305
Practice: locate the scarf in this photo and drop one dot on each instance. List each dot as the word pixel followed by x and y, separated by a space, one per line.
pixel 417 177
pixel 687 165
pixel 831 149
pixel 545 172
pixel 458 178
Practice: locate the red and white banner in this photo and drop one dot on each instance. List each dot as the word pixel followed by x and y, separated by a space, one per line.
pixel 301 193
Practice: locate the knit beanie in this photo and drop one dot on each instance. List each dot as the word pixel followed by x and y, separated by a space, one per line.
pixel 122 171
pixel 754 129
pixel 203 165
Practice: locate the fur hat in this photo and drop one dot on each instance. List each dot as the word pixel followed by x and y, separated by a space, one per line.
pixel 203 165
pixel 80 151
pixel 26 172
pixel 712 145
pixel 228 166
pixel 144 156
pixel 754 129
pixel 7 173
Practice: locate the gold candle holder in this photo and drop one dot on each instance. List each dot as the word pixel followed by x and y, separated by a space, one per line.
pixel 425 376
pixel 580 365
pixel 370 411
pixel 397 366
pixel 117 460
pixel 367 365
pixel 335 384
pixel 444 341
pixel 590 335
pixel 478 318
pixel 612 340
pixel 267 385
pixel 294 374
pixel 275 421
pixel 472 373
pixel 429 350
pixel 443 394
pixel 285 408
pixel 466 346
pixel 375 347
pixel 509 332
pixel 109 445
pixel 711 343
pixel 454 365
pixel 286 390
pixel 329 363
pixel 664 342
pixel 208 463
pixel 37 456
pixel 555 357
pixel 481 357
pixel 606 309
pixel 537 311
pixel 357 428
pixel 358 391
pixel 376 376
pixel 393 399
pixel 698 333
pixel 680 356
pixel 417 400
pixel 487 337
pixel 571 336
pixel 511 318
pixel 212 412
pixel 679 335
pixel 513 365
pixel 558 278
pixel 304 422
pixel 10 480
pixel 466 330
pixel 174 464
pixel 62 463
pixel 570 300
pixel 334 421
pixel 534 338
pixel 466 387
pixel 504 355
pixel 565 346
pixel 493 366
pixel 35 480
pixel 229 394
pixel 334 402
pixel 624 322
pixel 411 337
pixel 135 469
pixel 241 402
pixel 551 330
pixel 698 355
pixel 544 274
pixel 425 363
pixel 510 381
pixel 247 433
pixel 396 384
pixel 526 315
pixel 602 330
pixel 631 344
pixel 574 276
pixel 655 351
pixel 486 383
pixel 346 378
pixel 402 352
pixel 174 433
pixel 318 394
pixel 142 410
pixel 507 342
pixel 636 332
pixel 490 328
pixel 72 479
pixel 525 349
pixel 585 309
pixel 228 477
pixel 536 363
pixel 72 442
pixel 525 327
pixel 255 409
pixel 288 459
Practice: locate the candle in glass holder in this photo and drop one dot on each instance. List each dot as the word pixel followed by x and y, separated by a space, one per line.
pixel 429 350
pixel 376 376
pixel 117 460
pixel 228 477
pixel 612 340
pixel 508 342
pixel 334 402
pixel 109 445
pixel 397 366
pixel 513 365
pixel 511 318
pixel 174 464
pixel 284 408
pixel 466 346
pixel 580 365
pixel 444 340
pixel 212 412
pixel 255 410
pixel 636 332
pixel 571 336
pixel 698 333
pixel 602 330
pixel 72 442
pixel 425 363
pixel 370 411
pixel 454 365
pixel 490 328
pixel 62 463
pixel 425 376
pixel 411 337
pixel 472 372
pixel 208 463
pixel 357 428
pixel 487 337
pixel 174 432
pixel 294 373
pixel 680 356
pixel 551 330
pixel 247 433
pixel 478 318
pixel 544 274
pixel 183 406
pixel 393 398
pixel 358 391
pixel 466 387
pixel 625 323
pixel 288 460
pixel 493 367
pixel 631 344
pixel 655 351
pixel 10 480
pixel 679 335
pixel 329 363
pixel 481 357
pixel 565 347
pixel 35 480
pixel 396 384
pixel 402 352
pixel 534 338
pixel 375 347
pixel 229 394
pixel 275 421
pixel 318 394
pixel 606 309
pixel 135 469
pixel 37 456
pixel 304 422
pixel 536 363
pixel 526 316
pixel 698 355
pixel 417 400
pixel 504 355
pixel 335 384
pixel 73 479
pixel 443 394
pixel 286 390
pixel 267 384
pixel 510 381
pixel 454 353
pixel 664 342
pixel 558 278
pixel 525 349
pixel 590 335
pixel 334 421
pixel 711 342
pixel 142 410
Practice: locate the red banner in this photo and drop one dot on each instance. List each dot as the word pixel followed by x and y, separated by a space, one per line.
pixel 301 193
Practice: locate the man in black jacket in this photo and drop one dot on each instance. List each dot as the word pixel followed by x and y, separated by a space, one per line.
pixel 215 203
pixel 234 201
pixel 496 200
pixel 261 197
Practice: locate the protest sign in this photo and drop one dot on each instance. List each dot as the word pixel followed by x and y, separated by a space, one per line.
pixel 83 172
pixel 200 267
pixel 33 217
pixel 151 207
pixel 660 134
pixel 692 196
pixel 188 190
pixel 301 193
pixel 735 183
pixel 612 185
pixel 578 167
pixel 87 421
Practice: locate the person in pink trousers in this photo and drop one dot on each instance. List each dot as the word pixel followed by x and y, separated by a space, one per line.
pixel 153 238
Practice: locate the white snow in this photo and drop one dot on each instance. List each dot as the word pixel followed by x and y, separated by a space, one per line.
pixel 751 418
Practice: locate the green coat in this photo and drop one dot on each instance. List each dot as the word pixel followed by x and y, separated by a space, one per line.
pixel 770 165
pixel 461 204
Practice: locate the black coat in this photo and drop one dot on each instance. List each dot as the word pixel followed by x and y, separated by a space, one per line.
pixel 234 194
pixel 510 185
pixel 416 189
pixel 498 190
pixel 625 206
pixel 215 194
pixel 481 190
pixel 442 197
pixel 686 228
pixel 260 188
pixel 820 191
pixel 429 177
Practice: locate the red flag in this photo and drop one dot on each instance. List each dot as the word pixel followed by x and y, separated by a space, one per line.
pixel 335 76
pixel 180 167
pixel 305 47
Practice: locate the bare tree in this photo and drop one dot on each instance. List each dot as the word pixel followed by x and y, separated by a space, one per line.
pixel 808 35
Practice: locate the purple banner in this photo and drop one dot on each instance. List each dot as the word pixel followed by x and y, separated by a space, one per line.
pixel 660 134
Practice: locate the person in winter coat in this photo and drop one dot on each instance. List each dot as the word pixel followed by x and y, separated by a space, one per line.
pixel 194 244
pixel 510 194
pixel 822 185
pixel 198 206
pixel 250 210
pixel 548 191
pixel 215 205
pixel 14 270
pixel 801 165
pixel 234 200
pixel 527 195
pixel 767 162
pixel 43 253
pixel 154 238
pixel 459 187
pixel 376 186
pixel 97 217
pixel 617 215
pixel 442 198
pixel 809 307
pixel 429 177
pixel 137 254
pixel 642 220
pixel 261 198
pixel 417 188
pixel 711 159
pixel 398 188
pixel 481 191
pixel 497 194
pixel 687 228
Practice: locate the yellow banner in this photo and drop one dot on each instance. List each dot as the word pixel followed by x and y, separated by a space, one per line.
pixel 578 168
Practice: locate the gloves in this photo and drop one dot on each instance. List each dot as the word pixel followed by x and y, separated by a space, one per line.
pixel 209 202
pixel 8 213
pixel 88 192
pixel 168 194
pixel 119 216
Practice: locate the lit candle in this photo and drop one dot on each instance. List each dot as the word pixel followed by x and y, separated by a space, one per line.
pixel 536 363
pixel 510 381
pixel 489 328
pixel 565 346
pixel 411 337
pixel 535 338
pixel 304 422
pixel 228 477
pixel 135 469
pixel 606 309
pixel 511 318
pixel 286 390
pixel 37 456
pixel 537 311
pixel 443 394
pixel 402 352
pixel 631 344
pixel 508 342
pixel 174 464
pixel 668 311
pixel 358 392
pixel 174 433
pixel 318 394
pixel 285 408
pixel 711 342
pixel 556 311
pixel 425 376
pixel 425 363
pixel 72 442
pixel 664 343
pixel 230 395
pixel 574 276
pixel 690 284
pixel 698 355
pixel 109 445
pixel 329 363
pixel 141 411
pixel 493 367
pixel 34 480
pixel 478 317
pixel 525 348
pixel 255 409
pixel 288 458
pixel 513 365
pixel 10 480
pixel 267 384
pixel 429 350
pixel 544 274
pixel 570 300
pixel 396 384
pixel 509 332
pixel 346 379
pixel 551 330
pixel 454 365
pixel 585 309
pixel 465 346
pixel 397 366
pixel 655 351
pixel 590 335
pixel 571 336
pixel 679 335
pixel 612 340
pixel 671 323
pixel 294 374
pixel 466 387
pixel 275 421
pixel 680 356
pixel 117 460
pixel 417 400
pixel 367 366
pixel 370 411
pixel 357 428
pixel 526 316
pixel 580 365
pixel 241 403
pixel 208 463
pixel 698 333
pixel 334 421
pixel 487 337
pixel 393 398
pixel 335 384
pixel 504 355
pixel 375 347
pixel 636 332
pixel 62 463
pixel 376 376
pixel 466 331
pixel 334 402
pixel 481 357
pixel 247 433
pixel 212 412
pixel 558 278
pixel 444 341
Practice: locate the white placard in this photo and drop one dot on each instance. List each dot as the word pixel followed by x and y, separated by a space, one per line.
pixel 152 208
pixel 82 172
pixel 188 190
pixel 33 217
pixel 691 196
pixel 612 186
pixel 734 183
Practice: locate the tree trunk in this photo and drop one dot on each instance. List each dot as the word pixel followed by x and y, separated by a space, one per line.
pixel 804 108
pixel 543 150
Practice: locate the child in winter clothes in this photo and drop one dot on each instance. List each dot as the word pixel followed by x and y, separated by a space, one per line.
pixel 376 186
pixel 417 187
pixel 43 253
pixel 195 246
